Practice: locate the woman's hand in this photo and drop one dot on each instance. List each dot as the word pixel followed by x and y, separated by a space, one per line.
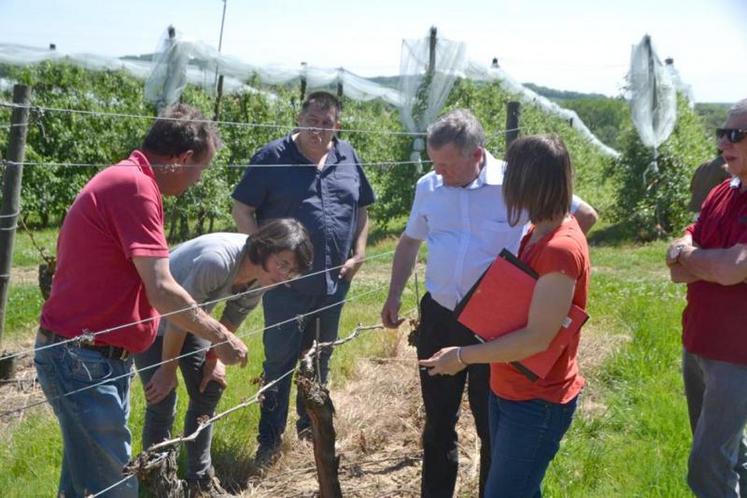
pixel 444 362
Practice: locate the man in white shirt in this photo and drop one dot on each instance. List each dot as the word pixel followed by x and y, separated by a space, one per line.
pixel 460 212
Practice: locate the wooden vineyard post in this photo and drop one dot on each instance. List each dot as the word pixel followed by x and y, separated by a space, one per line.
pixel 321 411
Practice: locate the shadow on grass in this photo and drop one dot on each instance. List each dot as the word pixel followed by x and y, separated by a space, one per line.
pixel 383 232
pixel 233 468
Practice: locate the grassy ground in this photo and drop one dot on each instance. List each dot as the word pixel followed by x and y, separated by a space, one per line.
pixel 636 443
pixel 630 438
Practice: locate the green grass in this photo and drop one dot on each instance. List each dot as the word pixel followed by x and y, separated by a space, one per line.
pixel 636 444
pixel 22 313
pixel 24 252
pixel 30 454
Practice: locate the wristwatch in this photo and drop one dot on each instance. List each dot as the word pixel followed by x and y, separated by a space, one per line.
pixel 676 251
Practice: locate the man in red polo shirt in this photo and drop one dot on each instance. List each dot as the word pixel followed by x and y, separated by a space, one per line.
pixel 113 273
pixel 712 260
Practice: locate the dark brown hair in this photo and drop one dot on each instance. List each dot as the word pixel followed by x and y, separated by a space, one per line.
pixel 538 178
pixel 324 101
pixel 180 128
pixel 282 234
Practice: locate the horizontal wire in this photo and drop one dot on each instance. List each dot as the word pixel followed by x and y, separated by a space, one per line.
pixel 230 166
pixel 89 336
pixel 247 402
pixel 121 481
pixel 219 122
pixel 316 347
pixel 227 123
pixel 134 371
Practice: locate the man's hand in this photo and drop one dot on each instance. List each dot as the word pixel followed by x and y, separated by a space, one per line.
pixel 231 350
pixel 213 371
pixel 390 313
pixel 445 361
pixel 161 384
pixel 676 248
pixel 350 268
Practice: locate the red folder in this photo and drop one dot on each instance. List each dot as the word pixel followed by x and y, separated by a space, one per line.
pixel 499 303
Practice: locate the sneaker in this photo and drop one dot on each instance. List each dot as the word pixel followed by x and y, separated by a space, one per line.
pixel 266 456
pixel 208 487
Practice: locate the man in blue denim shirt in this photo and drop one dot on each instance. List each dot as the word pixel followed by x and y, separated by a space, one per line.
pixel 316 178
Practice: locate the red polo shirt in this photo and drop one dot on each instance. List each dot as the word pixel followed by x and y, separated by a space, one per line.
pixel 714 323
pixel 116 216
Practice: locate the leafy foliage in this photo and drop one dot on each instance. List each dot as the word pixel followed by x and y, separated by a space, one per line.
pixel 652 204
pixel 57 137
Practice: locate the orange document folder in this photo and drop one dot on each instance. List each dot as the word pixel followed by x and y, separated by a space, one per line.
pixel 498 304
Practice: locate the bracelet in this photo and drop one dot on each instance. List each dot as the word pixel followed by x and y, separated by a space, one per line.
pixel 459 357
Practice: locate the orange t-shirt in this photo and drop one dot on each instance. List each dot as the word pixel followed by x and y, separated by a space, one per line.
pixel 563 250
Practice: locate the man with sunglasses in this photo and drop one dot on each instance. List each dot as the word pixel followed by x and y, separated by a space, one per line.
pixel 711 259
pixel 314 177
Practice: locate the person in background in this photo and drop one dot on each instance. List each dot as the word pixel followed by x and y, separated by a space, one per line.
pixel 528 418
pixel 212 267
pixel 706 176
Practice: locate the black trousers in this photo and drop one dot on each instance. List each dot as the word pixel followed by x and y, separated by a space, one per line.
pixel 442 396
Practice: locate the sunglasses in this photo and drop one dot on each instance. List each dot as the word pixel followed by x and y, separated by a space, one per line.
pixel 733 135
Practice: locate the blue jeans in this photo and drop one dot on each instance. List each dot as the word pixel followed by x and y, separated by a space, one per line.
pixel 159 417
pixel 283 346
pixel 96 440
pixel 524 438
pixel 717 404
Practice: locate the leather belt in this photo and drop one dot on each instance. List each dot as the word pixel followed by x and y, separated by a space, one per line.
pixel 110 352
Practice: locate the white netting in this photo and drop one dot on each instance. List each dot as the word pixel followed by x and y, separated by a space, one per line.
pixel 481 73
pixel 420 98
pixel 653 97
pixel 179 61
pixel 424 89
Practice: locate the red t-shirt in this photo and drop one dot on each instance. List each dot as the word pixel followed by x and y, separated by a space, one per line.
pixel 563 250
pixel 714 323
pixel 117 215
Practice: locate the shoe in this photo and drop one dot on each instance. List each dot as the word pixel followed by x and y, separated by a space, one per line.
pixel 266 456
pixel 208 487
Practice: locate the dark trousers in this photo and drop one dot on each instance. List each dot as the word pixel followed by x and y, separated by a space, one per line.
pixel 442 396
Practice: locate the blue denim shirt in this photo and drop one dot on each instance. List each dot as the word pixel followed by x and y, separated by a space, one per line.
pixel 325 201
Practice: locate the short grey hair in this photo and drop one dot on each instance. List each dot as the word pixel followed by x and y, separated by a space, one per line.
pixel 739 109
pixel 459 127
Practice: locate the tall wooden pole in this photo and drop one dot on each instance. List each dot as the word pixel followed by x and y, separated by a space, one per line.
pixel 12 192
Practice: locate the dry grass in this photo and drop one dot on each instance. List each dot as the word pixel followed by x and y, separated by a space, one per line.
pixel 379 421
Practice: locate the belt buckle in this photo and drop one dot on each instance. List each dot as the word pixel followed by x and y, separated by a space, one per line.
pixel 124 355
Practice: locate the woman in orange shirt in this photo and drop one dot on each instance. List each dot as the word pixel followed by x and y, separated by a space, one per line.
pixel 528 418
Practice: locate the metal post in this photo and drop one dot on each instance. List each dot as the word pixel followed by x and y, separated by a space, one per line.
pixel 513 113
pixel 12 192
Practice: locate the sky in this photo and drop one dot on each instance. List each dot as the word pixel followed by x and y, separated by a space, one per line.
pixel 581 45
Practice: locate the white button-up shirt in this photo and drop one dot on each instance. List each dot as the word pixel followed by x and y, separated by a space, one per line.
pixel 464 227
